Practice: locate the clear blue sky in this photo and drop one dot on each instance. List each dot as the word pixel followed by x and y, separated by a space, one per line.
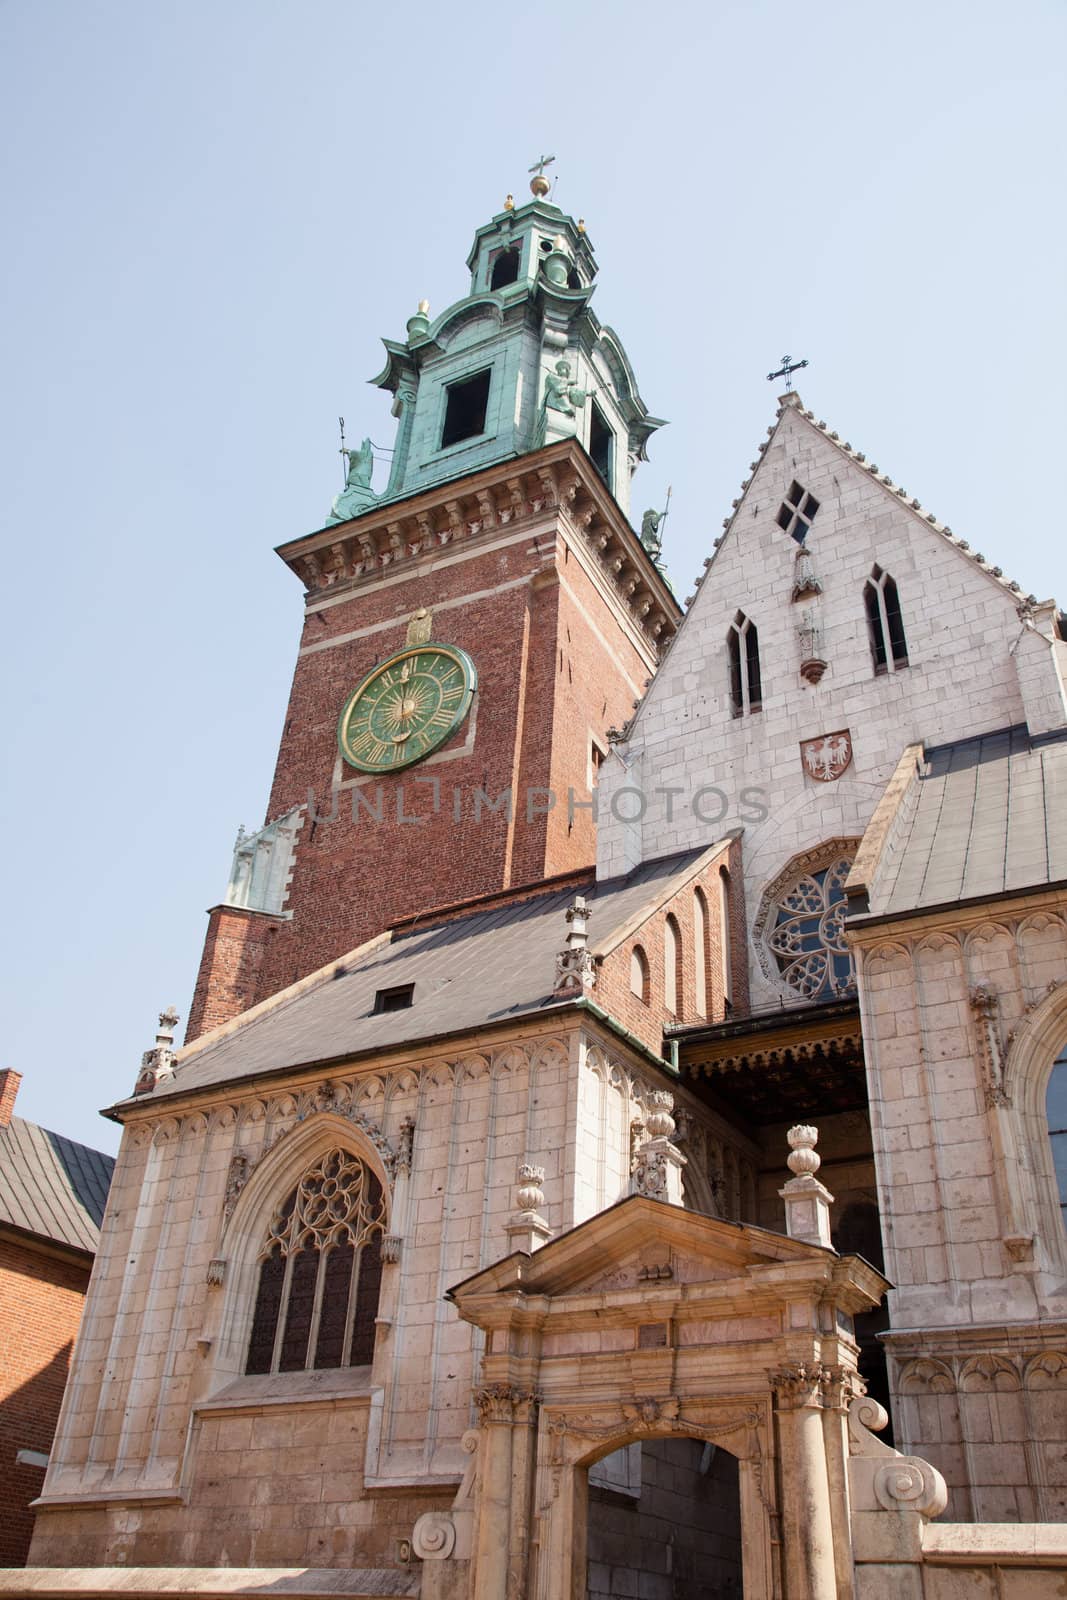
pixel 213 212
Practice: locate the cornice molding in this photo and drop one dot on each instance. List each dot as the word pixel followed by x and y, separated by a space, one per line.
pixel 403 535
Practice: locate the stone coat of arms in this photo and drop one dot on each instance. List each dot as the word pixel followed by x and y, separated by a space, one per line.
pixel 827 757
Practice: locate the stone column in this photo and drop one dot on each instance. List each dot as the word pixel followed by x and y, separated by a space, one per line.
pixel 807 1526
pixel 505 1415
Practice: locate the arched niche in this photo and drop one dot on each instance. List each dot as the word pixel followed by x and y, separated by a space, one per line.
pixel 269 1184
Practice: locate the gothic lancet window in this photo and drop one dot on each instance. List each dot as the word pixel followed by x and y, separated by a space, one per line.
pixel 639 973
pixel 807 934
pixel 700 952
pixel 1056 1112
pixel 320 1271
pixel 672 966
pixel 742 643
pixel 889 648
pixel 725 938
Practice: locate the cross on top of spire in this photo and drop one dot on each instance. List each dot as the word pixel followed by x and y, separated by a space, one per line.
pixel 539 185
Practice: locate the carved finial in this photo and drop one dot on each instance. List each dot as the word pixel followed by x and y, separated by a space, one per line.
pixel 419 324
pixel 528 1229
pixel 655 1163
pixel 581 224
pixel 530 1196
pixel 509 202
pixel 803 1160
pixel 807 1201
pixel 575 966
pixel 157 1064
pixel 659 1121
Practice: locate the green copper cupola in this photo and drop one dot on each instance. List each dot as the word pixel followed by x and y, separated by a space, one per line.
pixel 520 361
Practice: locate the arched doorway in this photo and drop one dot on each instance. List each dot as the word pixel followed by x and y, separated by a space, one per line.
pixel 663 1522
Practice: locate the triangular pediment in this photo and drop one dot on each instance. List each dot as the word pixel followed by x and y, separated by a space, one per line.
pixel 639 1243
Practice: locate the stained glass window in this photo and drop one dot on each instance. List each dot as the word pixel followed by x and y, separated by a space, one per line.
pixel 1056 1111
pixel 320 1271
pixel 808 935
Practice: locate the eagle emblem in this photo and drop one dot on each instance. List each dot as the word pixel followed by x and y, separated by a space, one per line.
pixel 827 757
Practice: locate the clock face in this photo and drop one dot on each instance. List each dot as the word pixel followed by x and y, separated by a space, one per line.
pixel 406 707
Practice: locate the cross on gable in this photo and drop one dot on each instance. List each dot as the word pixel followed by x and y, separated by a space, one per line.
pixel 786 371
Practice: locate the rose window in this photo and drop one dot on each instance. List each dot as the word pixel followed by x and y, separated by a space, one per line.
pixel 808 934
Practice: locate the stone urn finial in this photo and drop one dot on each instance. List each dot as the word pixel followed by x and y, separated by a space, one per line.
pixel 528 1229
pixel 807 1201
pixel 803 1160
pixel 658 1120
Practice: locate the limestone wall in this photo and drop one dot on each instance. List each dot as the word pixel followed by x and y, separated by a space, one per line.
pixel 960 623
pixel 165 1451
pixel 962 1020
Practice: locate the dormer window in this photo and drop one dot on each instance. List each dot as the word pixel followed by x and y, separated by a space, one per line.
pixel 797 512
pixel 395 999
pixel 465 409
pixel 505 268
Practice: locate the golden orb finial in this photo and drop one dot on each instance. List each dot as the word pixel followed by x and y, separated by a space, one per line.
pixel 539 184
pixel 509 203
pixel 581 224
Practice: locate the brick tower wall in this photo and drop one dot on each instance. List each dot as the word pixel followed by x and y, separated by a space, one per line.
pixel 557 665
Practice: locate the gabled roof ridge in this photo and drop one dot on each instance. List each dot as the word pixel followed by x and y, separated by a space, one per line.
pixel 456 910
pixel 792 401
pixel 691 864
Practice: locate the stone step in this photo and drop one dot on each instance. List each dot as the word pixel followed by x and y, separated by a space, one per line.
pixel 207 1583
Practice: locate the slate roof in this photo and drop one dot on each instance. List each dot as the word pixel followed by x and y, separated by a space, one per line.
pixel 490 965
pixel 52 1187
pixel 990 816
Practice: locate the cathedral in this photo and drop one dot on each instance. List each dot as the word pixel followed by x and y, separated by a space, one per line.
pixel 615 1150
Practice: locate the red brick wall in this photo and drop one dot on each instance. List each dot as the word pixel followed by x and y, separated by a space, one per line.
pixel 9 1088
pixel 647 1020
pixel 41 1300
pixel 553 666
pixel 229 966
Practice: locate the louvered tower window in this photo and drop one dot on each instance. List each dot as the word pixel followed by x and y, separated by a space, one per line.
pixel 320 1272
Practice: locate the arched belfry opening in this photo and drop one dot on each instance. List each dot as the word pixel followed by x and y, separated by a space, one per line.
pixel 663 1521
pixel 505 268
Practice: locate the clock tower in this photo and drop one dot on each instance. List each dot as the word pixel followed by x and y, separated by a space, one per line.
pixel 473 629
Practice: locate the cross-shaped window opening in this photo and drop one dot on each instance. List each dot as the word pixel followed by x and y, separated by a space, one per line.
pixel 797 512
